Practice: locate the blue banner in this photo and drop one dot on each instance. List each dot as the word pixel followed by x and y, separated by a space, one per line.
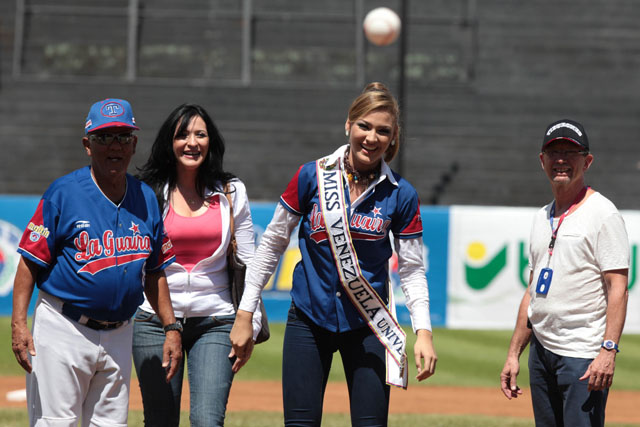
pixel 15 212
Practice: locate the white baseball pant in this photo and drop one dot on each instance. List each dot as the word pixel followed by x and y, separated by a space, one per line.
pixel 78 373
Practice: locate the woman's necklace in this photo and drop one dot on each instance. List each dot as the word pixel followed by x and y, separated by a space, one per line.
pixel 191 201
pixel 359 178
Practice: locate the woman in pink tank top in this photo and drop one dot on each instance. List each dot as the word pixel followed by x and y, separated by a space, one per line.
pixel 185 169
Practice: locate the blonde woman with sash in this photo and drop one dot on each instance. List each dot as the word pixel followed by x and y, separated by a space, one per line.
pixel 346 203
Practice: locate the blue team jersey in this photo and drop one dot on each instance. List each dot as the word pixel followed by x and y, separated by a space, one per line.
pixel 93 253
pixel 393 206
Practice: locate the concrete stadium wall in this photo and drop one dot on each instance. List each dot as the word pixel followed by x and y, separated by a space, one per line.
pixel 483 80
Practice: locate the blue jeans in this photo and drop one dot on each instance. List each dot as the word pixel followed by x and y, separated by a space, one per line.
pixel 206 347
pixel 307 355
pixel 558 397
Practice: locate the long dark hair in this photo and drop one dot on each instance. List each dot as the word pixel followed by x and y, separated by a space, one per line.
pixel 160 168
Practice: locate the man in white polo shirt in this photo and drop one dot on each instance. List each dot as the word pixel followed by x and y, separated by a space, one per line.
pixel 574 309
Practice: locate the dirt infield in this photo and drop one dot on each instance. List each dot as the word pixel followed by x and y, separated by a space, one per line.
pixel 267 396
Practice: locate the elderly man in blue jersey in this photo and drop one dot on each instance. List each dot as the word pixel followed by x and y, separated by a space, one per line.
pixel 94 244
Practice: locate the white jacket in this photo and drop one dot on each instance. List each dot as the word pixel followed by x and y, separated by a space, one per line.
pixel 205 290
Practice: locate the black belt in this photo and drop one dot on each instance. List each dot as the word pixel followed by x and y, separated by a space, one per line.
pixel 74 314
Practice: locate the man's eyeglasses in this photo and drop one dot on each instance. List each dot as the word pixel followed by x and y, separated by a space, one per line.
pixel 565 153
pixel 108 138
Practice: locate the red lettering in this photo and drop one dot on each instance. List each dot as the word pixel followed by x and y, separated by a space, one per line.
pixel 316 221
pixel 107 242
pixel 81 243
pixel 94 248
pixel 90 248
pixel 366 223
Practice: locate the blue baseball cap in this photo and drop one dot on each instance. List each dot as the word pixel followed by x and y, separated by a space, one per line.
pixel 109 113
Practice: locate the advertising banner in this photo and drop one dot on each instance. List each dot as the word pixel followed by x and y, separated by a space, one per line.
pixel 435 221
pixel 15 212
pixel 476 261
pixel 632 222
pixel 488 266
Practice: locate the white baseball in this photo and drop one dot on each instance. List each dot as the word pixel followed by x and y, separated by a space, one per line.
pixel 381 26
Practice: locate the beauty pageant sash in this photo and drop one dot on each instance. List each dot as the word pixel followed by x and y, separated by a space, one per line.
pixel 362 295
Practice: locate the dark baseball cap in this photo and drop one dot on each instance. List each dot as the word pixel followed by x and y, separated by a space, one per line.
pixel 110 113
pixel 568 130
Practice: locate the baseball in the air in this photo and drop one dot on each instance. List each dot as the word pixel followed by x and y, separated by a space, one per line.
pixel 381 26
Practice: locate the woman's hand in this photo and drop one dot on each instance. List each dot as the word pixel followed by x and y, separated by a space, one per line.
pixel 425 355
pixel 172 353
pixel 241 337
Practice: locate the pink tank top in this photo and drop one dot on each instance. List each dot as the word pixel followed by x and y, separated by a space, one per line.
pixel 195 238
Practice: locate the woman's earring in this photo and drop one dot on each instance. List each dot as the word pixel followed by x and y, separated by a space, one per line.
pixel 346 132
pixel 393 142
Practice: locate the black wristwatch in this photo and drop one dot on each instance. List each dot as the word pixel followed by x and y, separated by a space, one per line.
pixel 177 326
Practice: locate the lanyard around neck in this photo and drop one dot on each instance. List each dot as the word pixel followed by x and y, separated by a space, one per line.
pixel 554 232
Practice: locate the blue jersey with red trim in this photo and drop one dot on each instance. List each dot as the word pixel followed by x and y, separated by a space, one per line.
pixel 93 253
pixel 391 206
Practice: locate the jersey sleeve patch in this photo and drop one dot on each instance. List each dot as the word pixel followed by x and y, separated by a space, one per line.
pixel 165 255
pixel 414 227
pixel 290 198
pixel 35 240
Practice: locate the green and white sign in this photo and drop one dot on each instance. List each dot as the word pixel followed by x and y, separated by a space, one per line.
pixel 488 267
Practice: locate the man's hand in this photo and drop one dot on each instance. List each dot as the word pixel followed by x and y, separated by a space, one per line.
pixel 508 377
pixel 172 353
pixel 21 338
pixel 519 341
pixel 600 371
pixel 22 344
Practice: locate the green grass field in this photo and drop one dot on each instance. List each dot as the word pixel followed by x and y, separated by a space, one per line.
pixel 465 358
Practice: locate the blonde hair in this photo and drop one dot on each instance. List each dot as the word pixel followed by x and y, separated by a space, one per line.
pixel 376 96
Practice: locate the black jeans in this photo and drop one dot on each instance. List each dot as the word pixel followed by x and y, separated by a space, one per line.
pixel 307 355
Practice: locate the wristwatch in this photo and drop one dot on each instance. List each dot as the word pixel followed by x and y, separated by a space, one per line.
pixel 610 345
pixel 176 326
